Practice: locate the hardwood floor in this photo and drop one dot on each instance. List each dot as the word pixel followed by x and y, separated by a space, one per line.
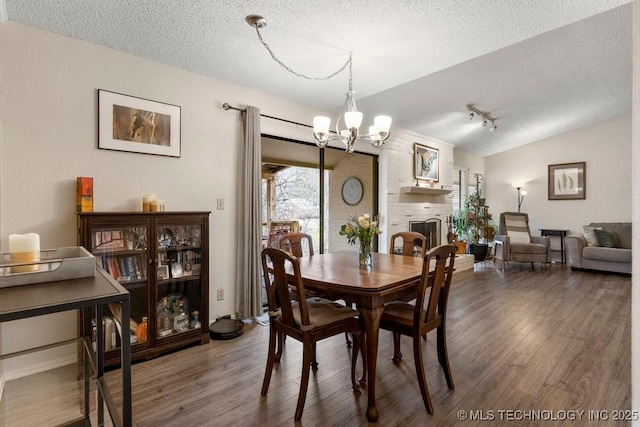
pixel 519 340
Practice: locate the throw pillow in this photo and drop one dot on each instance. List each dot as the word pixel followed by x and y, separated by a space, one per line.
pixel 517 229
pixel 590 236
pixel 608 239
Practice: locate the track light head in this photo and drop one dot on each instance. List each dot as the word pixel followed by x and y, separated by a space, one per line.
pixel 486 117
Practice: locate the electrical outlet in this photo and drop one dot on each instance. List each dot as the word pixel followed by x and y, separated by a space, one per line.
pixel 220 294
pixel 220 204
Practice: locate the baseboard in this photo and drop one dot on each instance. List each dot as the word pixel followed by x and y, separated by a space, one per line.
pixel 40 367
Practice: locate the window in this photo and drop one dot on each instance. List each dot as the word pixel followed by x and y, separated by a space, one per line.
pixel 473 181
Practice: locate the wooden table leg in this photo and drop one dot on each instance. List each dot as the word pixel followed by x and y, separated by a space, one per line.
pixel 372 327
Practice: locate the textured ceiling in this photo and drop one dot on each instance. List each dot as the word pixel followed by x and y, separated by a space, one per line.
pixel 540 67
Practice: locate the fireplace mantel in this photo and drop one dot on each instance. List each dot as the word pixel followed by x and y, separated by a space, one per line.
pixel 424 190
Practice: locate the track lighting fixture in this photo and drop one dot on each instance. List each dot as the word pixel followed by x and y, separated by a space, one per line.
pixel 486 117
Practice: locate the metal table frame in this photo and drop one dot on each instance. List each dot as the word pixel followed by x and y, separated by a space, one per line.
pixel 20 302
pixel 560 233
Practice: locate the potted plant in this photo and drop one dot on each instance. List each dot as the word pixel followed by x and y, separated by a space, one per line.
pixel 473 225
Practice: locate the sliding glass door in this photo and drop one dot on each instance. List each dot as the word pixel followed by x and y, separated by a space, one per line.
pixel 303 188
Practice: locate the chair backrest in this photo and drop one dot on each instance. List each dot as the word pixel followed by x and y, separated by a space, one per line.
pixel 297 243
pixel 516 226
pixel 433 290
pixel 277 283
pixel 277 229
pixel 410 241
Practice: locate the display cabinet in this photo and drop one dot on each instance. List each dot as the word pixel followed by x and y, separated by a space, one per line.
pixel 162 259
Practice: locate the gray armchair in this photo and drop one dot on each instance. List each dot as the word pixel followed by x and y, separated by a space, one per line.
pixel 515 243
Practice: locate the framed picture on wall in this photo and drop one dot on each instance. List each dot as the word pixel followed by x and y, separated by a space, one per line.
pixel 567 181
pixel 426 162
pixel 127 123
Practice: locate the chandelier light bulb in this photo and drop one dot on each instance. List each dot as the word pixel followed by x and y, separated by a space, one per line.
pixel 353 119
pixel 484 123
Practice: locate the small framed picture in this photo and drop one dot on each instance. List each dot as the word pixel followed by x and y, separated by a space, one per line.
pixel 163 272
pixel 188 269
pixel 176 270
pixel 426 163
pixel 567 181
pixel 195 269
pixel 128 123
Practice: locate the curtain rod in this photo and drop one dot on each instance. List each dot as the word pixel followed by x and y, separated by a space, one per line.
pixel 226 106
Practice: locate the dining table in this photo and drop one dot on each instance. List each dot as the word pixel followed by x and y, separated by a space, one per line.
pixel 389 277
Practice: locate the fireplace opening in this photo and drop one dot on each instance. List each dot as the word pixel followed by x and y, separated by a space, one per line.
pixel 430 229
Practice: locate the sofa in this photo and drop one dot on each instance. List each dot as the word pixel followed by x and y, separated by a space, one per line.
pixel 583 252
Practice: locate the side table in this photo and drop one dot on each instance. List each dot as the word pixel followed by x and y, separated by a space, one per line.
pixel 87 293
pixel 560 233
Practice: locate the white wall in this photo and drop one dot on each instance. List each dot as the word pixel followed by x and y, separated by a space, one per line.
pixel 48 113
pixel 606 149
pixel 396 171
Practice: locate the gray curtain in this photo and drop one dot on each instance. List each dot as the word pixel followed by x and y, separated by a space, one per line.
pixel 249 274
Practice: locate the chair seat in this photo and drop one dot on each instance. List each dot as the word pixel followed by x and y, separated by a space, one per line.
pixel 528 248
pixel 400 313
pixel 323 312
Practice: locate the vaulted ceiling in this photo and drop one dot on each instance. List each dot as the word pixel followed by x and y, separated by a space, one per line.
pixel 540 67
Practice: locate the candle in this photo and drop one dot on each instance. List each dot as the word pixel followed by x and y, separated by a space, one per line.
pixel 24 248
pixel 146 201
pixel 155 207
pixel 160 205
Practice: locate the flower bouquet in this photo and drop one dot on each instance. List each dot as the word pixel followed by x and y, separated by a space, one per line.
pixel 361 228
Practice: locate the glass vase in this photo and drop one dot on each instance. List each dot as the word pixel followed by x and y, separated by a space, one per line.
pixel 364 254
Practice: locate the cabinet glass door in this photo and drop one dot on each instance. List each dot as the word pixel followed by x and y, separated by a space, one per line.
pixel 123 253
pixel 178 281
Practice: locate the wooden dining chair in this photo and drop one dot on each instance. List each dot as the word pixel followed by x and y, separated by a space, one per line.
pixel 294 243
pixel 297 243
pixel 308 320
pixel 411 241
pixel 428 313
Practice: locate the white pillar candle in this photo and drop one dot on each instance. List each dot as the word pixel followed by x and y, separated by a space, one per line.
pixel 147 200
pixel 24 248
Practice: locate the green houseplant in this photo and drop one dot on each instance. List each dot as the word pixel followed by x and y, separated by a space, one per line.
pixel 474 225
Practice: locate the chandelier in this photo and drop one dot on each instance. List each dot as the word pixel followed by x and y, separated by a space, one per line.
pixel 347 128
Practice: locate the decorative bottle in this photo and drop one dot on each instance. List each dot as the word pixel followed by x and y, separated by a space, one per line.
pixel 195 321
pixel 164 319
pixel 141 330
pixel 180 317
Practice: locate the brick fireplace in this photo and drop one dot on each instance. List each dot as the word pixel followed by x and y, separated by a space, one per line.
pixel 429 228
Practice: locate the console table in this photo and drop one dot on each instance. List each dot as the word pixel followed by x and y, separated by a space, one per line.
pixel 560 233
pixel 87 294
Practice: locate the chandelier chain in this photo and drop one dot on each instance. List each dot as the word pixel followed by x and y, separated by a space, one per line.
pixel 295 73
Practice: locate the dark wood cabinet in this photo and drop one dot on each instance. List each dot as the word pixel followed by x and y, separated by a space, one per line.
pixel 154 255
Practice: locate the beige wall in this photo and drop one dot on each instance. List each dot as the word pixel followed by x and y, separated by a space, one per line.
pixel 360 166
pixel 606 149
pixel 48 113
